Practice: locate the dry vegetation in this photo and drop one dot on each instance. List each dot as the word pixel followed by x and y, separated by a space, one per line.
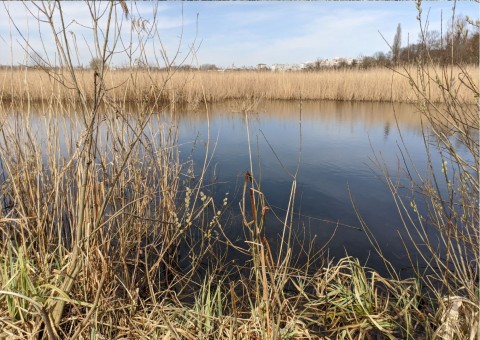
pixel 378 84
pixel 114 237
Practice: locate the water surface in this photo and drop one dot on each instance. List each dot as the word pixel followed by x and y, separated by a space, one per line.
pixel 329 149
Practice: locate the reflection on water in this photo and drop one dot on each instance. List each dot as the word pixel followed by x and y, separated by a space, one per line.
pixel 332 145
pixel 328 145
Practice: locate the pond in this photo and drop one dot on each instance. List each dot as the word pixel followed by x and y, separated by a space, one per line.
pixel 330 150
pixel 331 147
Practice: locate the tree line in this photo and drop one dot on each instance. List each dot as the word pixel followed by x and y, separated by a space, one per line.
pixel 458 45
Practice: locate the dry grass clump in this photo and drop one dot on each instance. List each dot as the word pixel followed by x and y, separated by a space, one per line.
pixel 75 244
pixel 193 87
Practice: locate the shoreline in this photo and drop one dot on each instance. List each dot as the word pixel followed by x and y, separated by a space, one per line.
pixel 197 87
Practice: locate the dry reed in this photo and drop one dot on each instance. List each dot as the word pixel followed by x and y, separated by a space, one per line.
pixel 380 84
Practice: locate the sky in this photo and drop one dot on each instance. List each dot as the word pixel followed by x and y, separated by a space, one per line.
pixel 223 33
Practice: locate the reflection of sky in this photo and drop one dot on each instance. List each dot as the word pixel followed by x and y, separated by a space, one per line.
pixel 338 143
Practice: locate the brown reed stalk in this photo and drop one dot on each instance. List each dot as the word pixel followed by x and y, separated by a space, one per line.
pixel 188 86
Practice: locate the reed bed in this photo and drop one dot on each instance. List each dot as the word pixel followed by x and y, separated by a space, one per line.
pixel 192 87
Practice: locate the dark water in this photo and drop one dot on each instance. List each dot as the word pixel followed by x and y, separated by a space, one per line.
pixel 331 146
pixel 328 148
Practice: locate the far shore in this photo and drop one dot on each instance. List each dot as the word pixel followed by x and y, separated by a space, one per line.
pixel 194 87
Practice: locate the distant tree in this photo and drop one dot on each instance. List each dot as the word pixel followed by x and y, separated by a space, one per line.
pixel 95 63
pixel 342 64
pixel 397 44
pixel 382 59
pixel 186 67
pixel 458 37
pixel 368 62
pixel 460 44
pixel 433 40
pixel 37 61
pixel 472 49
pixel 208 67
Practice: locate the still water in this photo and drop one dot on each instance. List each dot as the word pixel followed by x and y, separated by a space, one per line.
pixel 331 147
pixel 327 148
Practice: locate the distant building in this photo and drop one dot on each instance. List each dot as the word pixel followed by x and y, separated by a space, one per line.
pixel 278 67
pixel 335 62
pixel 263 67
pixel 287 67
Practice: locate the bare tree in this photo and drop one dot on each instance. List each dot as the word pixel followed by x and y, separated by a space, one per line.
pixel 397 44
pixel 95 63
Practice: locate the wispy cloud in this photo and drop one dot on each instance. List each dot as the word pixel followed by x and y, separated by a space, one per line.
pixel 244 33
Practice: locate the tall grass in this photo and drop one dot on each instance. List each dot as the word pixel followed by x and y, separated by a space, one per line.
pixel 444 237
pixel 193 87
pixel 150 265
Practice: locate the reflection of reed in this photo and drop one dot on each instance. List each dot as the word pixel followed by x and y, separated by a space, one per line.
pixel 188 87
pixel 367 113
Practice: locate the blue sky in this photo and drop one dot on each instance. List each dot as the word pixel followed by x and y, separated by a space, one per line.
pixel 239 33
